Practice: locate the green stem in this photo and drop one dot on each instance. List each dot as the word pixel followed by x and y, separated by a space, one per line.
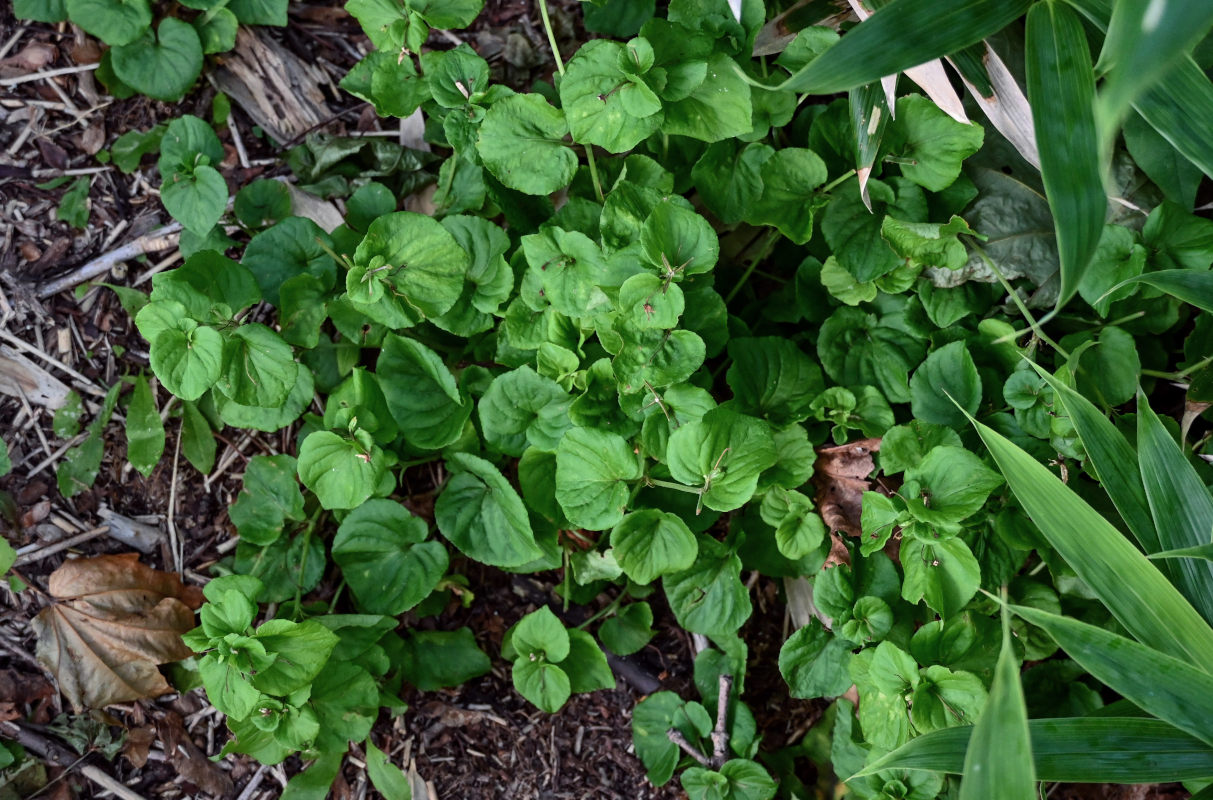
pixel 834 183
pixel 589 157
pixel 1186 371
pixel 307 536
pixel 212 11
pixel 1181 374
pixel 336 596
pixel 547 26
pixel 1023 309
pixel 671 485
pixel 568 578
pixel 605 611
pixel 764 249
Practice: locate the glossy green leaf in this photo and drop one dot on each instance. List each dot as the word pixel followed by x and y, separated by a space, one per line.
pixel 586 664
pixel 1059 78
pixel 540 635
pixel 709 598
pixel 269 498
pixel 187 360
pixel 259 369
pixel 413 254
pixel 773 378
pixel 144 430
pixel 480 513
pixel 814 662
pixel 879 46
pixel 522 143
pixel 428 407
pixel 931 142
pixel 387 778
pixel 342 472
pixel 595 96
pixel 385 558
pixel 293 246
pixel 1132 588
pixel 593 471
pixel 722 453
pixel 302 649
pixel 629 630
pixel 163 65
pixel 546 685
pixel 437 659
pixel 719 107
pixel 650 543
pixel 947 379
pixel 112 21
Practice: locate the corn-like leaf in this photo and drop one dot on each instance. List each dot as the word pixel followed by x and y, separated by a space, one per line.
pixel 1145 38
pixel 1170 689
pixel 1182 508
pixel 1061 91
pixel 870 114
pixel 1114 460
pixel 1179 106
pixel 999 97
pixel 1132 588
pixel 1201 551
pixel 1195 288
pixel 903 34
pixel 998 761
pixel 1079 750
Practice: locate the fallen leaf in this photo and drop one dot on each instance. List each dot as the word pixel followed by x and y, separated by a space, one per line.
pixel 188 759
pixel 138 744
pixel 31 58
pixel 840 475
pixel 18 690
pixel 116 619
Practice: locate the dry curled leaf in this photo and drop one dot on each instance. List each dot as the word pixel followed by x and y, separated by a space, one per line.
pixel 115 620
pixel 188 759
pixel 841 477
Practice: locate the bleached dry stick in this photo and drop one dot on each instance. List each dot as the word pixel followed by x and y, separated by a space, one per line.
pixel 159 239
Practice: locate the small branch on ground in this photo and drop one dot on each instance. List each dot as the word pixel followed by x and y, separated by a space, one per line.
pixel 720 734
pixel 675 736
pixel 159 239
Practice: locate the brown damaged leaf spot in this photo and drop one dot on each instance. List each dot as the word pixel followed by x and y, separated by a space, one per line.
pixel 840 476
pixel 114 622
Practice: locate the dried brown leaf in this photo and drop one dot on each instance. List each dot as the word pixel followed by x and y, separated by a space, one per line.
pixel 840 475
pixel 115 621
pixel 31 58
pixel 188 759
pixel 138 744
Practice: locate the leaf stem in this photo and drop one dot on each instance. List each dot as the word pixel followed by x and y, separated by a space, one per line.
pixel 763 250
pixel 1023 309
pixel 589 157
pixel 1181 374
pixel 547 26
pixel 678 487
pixel 834 183
pixel 605 611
